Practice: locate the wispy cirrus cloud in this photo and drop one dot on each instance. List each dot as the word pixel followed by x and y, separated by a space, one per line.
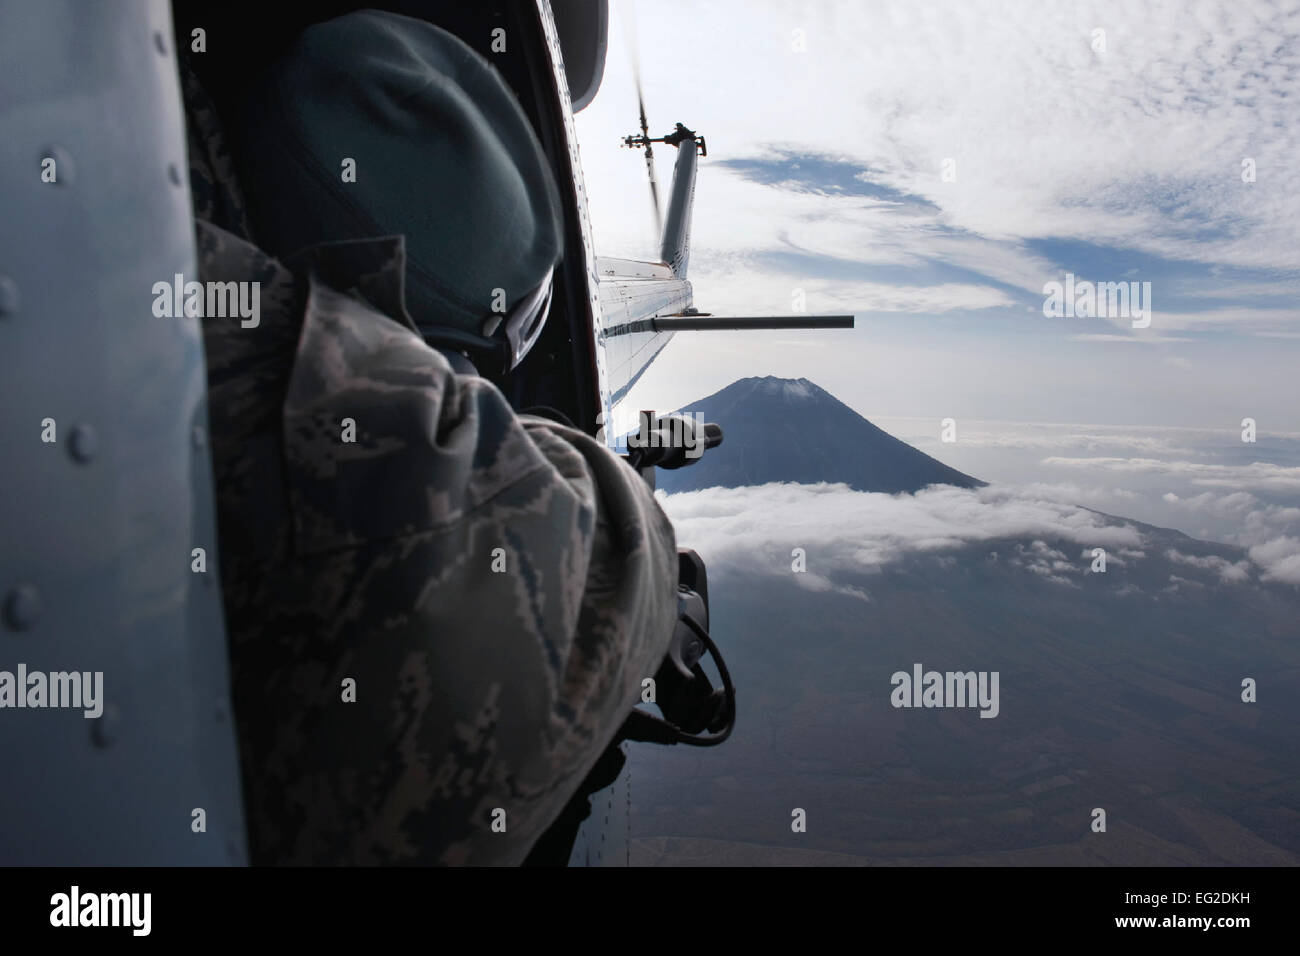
pixel 1141 119
pixel 1256 475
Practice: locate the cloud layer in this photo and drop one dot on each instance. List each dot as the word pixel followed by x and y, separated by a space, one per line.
pixel 758 529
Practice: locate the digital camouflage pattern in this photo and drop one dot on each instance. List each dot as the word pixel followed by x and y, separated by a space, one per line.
pixel 214 188
pixel 373 560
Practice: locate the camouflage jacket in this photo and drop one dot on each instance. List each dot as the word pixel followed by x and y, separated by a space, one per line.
pixel 439 612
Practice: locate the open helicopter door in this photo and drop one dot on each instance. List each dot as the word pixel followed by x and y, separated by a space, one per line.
pixel 116 735
pixel 570 39
pixel 634 308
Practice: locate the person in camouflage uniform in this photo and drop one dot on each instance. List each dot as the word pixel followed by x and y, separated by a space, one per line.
pixel 440 612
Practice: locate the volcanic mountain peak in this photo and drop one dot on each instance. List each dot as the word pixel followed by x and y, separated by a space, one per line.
pixel 780 429
pixel 789 389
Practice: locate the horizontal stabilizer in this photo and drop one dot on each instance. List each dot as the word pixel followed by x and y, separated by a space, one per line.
pixel 702 322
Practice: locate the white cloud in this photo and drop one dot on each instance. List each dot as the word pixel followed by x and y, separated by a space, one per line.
pixel 1231 571
pixel 1052 435
pixel 1264 528
pixel 1257 321
pixel 757 528
pixel 1280 559
pixel 1140 145
pixel 1042 559
pixel 1230 504
pixel 1074 492
pixel 747 287
pixel 1257 475
pixel 1148 339
pixel 1176 582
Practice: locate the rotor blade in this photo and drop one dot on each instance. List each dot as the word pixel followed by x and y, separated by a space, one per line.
pixel 640 100
pixel 654 192
pixel 629 35
pixel 634 57
pixel 649 153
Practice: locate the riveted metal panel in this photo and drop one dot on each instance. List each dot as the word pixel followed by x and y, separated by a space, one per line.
pixel 98 526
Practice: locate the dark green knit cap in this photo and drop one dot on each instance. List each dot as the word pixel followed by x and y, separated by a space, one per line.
pixel 444 155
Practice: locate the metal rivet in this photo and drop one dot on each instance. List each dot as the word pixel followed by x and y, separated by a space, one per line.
pixel 160 42
pixel 108 727
pixel 22 607
pixel 64 170
pixel 200 436
pixel 174 174
pixel 8 296
pixel 83 443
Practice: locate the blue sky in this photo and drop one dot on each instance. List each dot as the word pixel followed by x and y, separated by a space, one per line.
pixel 1106 140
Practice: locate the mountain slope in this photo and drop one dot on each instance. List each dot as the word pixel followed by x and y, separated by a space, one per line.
pixel 792 430
pixel 1120 690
